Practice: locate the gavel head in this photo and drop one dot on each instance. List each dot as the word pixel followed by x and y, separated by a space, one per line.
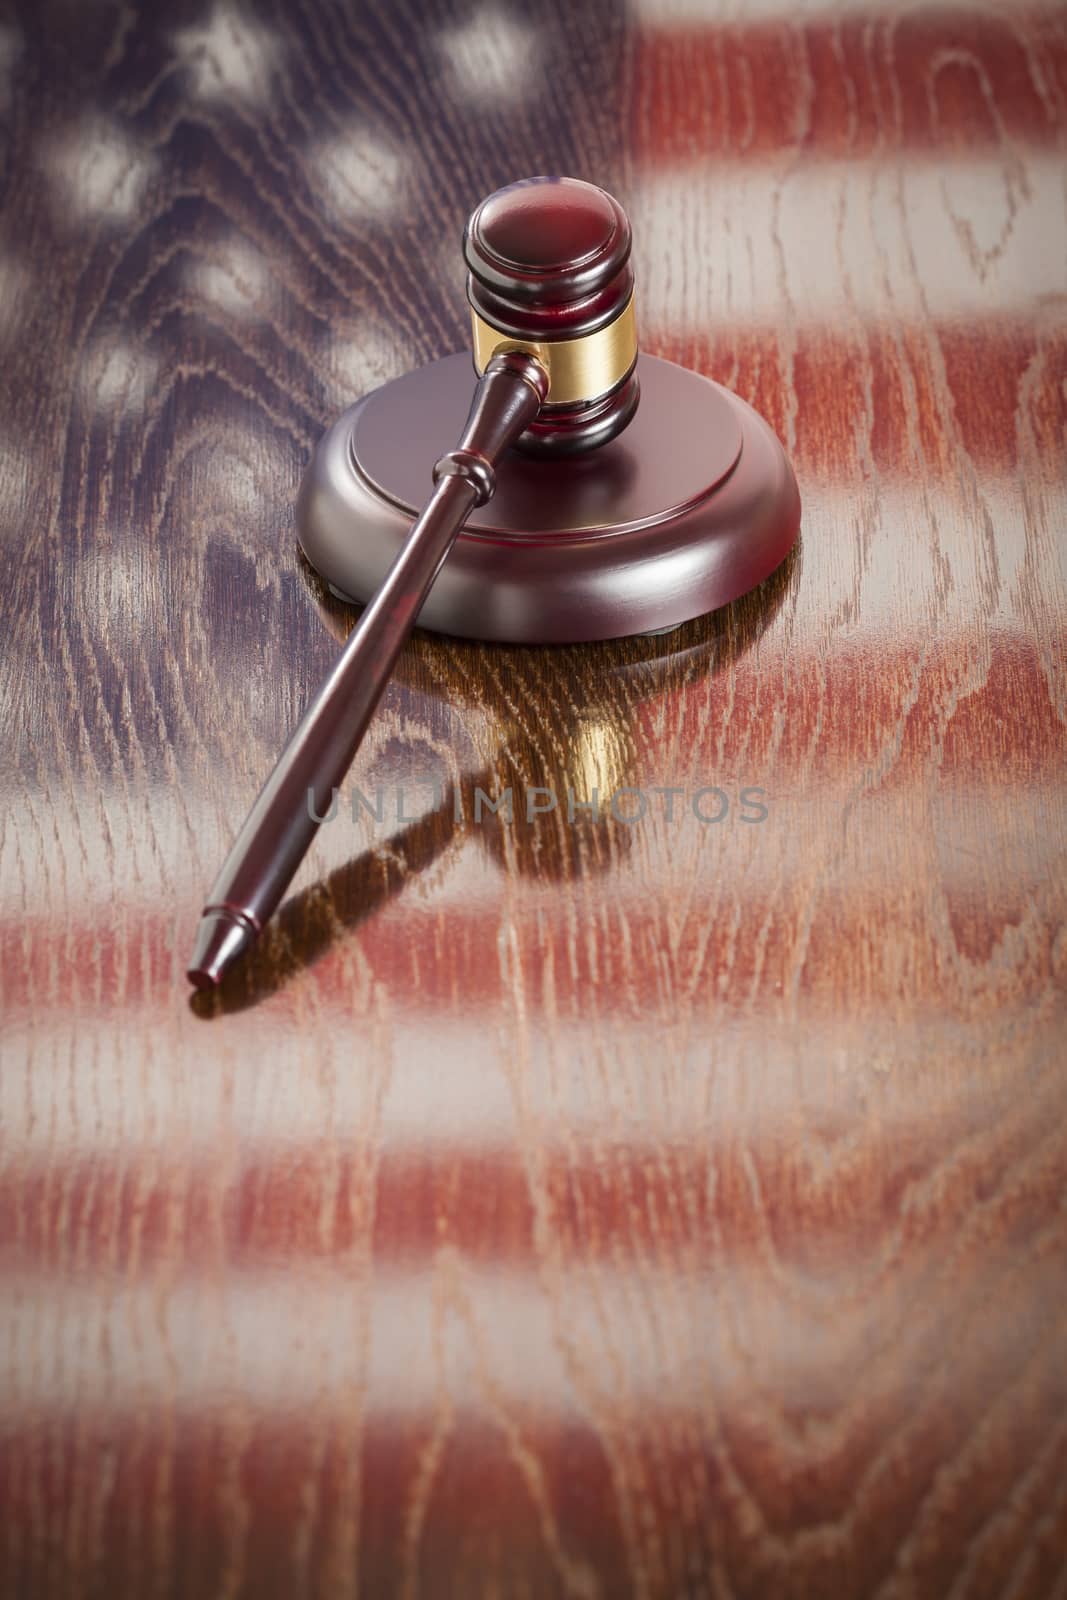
pixel 549 272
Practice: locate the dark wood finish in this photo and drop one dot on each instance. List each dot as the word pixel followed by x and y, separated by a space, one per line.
pixel 659 1209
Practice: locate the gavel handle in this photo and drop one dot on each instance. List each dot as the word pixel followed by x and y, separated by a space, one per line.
pixel 298 793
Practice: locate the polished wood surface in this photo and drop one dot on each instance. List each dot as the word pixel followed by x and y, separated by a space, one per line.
pixel 663 1208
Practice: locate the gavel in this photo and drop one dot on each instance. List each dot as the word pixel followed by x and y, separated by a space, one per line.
pixel 665 531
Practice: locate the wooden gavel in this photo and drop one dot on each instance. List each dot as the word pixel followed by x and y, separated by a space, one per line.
pixel 555 346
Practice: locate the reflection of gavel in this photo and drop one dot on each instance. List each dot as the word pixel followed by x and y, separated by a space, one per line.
pixel 590 707
pixel 551 291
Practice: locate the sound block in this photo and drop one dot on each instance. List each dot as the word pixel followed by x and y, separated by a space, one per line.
pixel 692 505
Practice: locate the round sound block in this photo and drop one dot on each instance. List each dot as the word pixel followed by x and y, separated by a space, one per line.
pixel 692 505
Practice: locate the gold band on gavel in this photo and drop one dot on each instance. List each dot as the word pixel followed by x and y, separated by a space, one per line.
pixel 578 369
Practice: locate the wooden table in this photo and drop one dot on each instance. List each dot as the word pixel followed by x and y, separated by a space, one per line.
pixel 668 1207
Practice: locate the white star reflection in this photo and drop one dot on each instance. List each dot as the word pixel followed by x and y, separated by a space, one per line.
pixel 116 378
pixel 235 278
pixel 491 58
pixel 98 172
pixel 353 366
pixel 363 176
pixel 228 57
pixel 233 477
pixel 120 587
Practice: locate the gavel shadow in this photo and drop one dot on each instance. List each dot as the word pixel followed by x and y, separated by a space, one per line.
pixel 563 724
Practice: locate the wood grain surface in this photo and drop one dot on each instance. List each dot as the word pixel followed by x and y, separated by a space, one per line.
pixel 661 1207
